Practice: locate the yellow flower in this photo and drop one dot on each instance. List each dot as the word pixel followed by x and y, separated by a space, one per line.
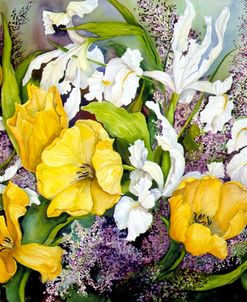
pixel 36 123
pixel 80 171
pixel 206 212
pixel 44 259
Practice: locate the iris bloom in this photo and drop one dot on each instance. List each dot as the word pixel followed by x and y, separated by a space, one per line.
pixel 237 167
pixel 80 171
pixel 205 213
pixel 134 215
pixel 44 259
pixel 36 123
pixel 191 60
pixel 120 82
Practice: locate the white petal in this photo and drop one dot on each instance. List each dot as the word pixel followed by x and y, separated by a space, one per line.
pixel 135 177
pixel 239 135
pixel 80 8
pixel 216 113
pixel 33 196
pixel 122 210
pixel 237 167
pixel 192 174
pixel 10 171
pixel 138 154
pixel 176 171
pixel 2 128
pixel 216 169
pixel 96 55
pixel 186 96
pixel 95 86
pixel 50 18
pixel 2 188
pixel 132 58
pixel 72 105
pixel 182 28
pixel 38 61
pixel 139 222
pixel 145 197
pixel 162 77
pixel 155 171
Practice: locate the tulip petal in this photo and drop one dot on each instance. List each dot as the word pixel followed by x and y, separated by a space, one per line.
pixel 108 167
pixel 8 266
pixel 44 259
pixel 231 218
pixel 180 220
pixel 76 200
pixel 102 200
pixel 199 241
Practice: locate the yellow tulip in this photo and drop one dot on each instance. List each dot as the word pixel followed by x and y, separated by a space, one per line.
pixel 36 123
pixel 80 171
pixel 205 213
pixel 44 259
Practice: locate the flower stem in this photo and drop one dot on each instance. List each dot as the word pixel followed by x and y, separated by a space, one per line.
pixel 8 160
pixel 23 286
pixel 172 107
pixel 128 168
pixel 192 114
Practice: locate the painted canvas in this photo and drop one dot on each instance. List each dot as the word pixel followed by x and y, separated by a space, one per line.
pixel 123 150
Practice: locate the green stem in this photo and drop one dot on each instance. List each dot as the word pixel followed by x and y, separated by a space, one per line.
pixel 8 160
pixel 22 286
pixel 128 168
pixel 172 107
pixel 192 114
pixel 166 222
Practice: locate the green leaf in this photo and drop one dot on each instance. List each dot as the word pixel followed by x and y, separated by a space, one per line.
pixel 10 91
pixel 136 105
pixel 107 30
pixel 214 281
pixel 189 142
pixel 90 298
pixel 124 11
pixel 244 280
pixel 166 164
pixel 120 123
pixel 21 71
pixel 36 225
pixel 12 287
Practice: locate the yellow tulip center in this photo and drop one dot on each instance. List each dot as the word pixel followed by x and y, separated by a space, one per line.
pixel 7 244
pixel 85 171
pixel 202 219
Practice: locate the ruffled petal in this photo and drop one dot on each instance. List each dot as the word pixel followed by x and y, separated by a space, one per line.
pixel 122 210
pixel 8 266
pixel 76 200
pixel 44 259
pixel 108 167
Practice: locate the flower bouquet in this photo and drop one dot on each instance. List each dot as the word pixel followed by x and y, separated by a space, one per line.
pixel 124 161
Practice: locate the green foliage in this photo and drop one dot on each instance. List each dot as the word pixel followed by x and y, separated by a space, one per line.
pixel 124 11
pixel 121 124
pixel 10 91
pixel 12 287
pixel 189 142
pixel 90 298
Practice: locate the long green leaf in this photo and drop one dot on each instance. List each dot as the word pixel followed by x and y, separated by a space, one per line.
pixel 124 11
pixel 120 123
pixel 10 91
pixel 106 30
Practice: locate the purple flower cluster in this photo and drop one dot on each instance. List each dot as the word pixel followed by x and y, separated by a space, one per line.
pixel 5 147
pixel 99 258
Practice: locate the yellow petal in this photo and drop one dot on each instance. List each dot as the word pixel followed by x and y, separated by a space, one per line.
pixel 53 180
pixel 102 200
pixel 180 218
pixel 76 200
pixel 97 127
pixel 7 266
pixel 108 167
pixel 199 241
pixel 4 232
pixel 44 259
pixel 36 123
pixel 231 218
pixel 15 201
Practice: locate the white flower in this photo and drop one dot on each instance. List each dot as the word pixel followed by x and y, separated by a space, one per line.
pixel 237 167
pixel 239 135
pixel 2 128
pixel 216 169
pixel 10 171
pixel 191 60
pixel 120 81
pixel 216 113
pixel 168 142
pixel 144 167
pixel 79 8
pixel 134 215
pixel 68 71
